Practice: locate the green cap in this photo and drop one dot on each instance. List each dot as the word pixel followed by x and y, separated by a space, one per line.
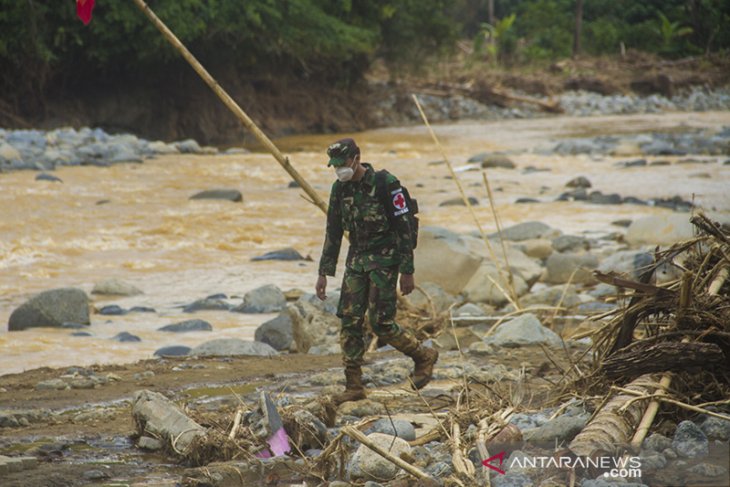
pixel 341 151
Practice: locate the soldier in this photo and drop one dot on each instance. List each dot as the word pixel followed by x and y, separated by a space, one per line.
pixel 381 246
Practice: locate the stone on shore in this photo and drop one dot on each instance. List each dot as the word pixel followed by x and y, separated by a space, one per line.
pixel 158 417
pixel 394 427
pixel 575 268
pixel 690 441
pixel 523 330
pixel 442 257
pixel 264 299
pixel 277 332
pixel 490 285
pixel 368 465
pixel 115 287
pixel 631 264
pixel 429 293
pixel 312 327
pixel 172 351
pixel 527 231
pixel 232 346
pixel 660 230
pixel 51 308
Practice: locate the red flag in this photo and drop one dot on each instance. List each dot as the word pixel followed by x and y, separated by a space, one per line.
pixel 83 10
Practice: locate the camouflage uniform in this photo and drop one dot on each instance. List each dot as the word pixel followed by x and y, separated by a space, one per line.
pixel 376 255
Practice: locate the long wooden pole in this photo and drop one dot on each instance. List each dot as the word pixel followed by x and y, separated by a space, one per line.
pixel 506 274
pixel 232 105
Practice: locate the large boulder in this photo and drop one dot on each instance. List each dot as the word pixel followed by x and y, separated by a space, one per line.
pixel 232 346
pixel 660 230
pixel 520 263
pixel 277 332
pixel 51 308
pixel 628 263
pixel 264 299
pixel 442 257
pixel 567 297
pixel 527 231
pixel 576 268
pixel 366 464
pixel 523 330
pixel 312 327
pixel 115 287
pixel 489 285
pixel 429 293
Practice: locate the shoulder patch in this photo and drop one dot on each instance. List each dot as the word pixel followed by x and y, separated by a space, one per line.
pixel 399 202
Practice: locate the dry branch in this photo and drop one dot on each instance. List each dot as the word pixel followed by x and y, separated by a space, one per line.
pixel 663 357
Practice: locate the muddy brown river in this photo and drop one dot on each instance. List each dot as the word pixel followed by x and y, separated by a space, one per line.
pixel 135 222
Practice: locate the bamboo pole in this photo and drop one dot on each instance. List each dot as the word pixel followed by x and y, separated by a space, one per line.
pixel 511 296
pixel 719 280
pixel 232 105
pixel 650 414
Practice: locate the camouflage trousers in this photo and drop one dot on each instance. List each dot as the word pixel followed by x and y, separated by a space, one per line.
pixel 370 294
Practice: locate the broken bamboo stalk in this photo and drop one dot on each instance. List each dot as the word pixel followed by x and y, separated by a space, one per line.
pixel 719 280
pixel 482 446
pixel 457 456
pixel 231 104
pixel 357 435
pixel 236 423
pixel 512 295
pixel 650 414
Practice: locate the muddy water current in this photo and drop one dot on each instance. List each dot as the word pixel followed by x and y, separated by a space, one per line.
pixel 135 222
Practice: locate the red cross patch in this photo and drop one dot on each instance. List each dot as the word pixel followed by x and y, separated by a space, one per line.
pixel 399 201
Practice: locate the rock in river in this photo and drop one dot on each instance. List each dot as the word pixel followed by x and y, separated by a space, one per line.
pixel 51 309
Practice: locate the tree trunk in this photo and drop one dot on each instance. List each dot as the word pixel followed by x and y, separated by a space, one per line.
pixel 578 26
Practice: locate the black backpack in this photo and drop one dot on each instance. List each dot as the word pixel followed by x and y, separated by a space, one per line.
pixel 381 189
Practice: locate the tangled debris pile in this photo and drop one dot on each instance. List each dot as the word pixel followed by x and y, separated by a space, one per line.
pixel 666 352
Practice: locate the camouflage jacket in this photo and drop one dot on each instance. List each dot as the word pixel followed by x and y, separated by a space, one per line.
pixel 355 207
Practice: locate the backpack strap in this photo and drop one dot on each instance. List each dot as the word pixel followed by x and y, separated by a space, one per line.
pixel 381 190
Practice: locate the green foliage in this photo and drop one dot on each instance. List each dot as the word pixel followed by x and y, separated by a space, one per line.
pixel 544 29
pixel 43 45
pixel 547 28
pixel 670 31
pixel 493 40
pixel 331 39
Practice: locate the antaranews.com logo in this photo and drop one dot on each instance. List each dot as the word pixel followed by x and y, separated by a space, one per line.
pixel 614 467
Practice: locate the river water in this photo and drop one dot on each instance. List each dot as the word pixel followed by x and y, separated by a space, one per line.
pixel 135 222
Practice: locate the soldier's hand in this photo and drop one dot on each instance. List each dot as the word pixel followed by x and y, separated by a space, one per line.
pixel 407 283
pixel 321 287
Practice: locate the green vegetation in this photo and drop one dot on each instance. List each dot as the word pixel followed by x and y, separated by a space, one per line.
pixel 44 48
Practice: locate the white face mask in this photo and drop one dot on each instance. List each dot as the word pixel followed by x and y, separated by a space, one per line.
pixel 344 174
